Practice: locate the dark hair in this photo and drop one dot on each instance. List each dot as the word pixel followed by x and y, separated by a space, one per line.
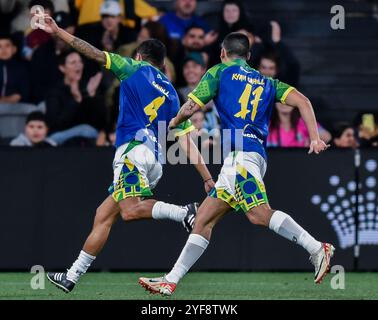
pixel 270 55
pixel 153 51
pixel 193 26
pixel 236 44
pixel 275 123
pixel 36 116
pixel 63 56
pixel 46 4
pixel 340 128
pixel 7 36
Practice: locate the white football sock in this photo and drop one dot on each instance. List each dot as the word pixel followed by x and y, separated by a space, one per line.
pixel 80 266
pixel 194 248
pixel 286 227
pixel 162 210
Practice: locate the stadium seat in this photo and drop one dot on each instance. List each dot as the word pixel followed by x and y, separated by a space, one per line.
pixel 13 116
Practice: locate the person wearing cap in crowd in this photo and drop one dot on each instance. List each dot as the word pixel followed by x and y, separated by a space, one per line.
pixel 35 132
pixel 44 62
pixel 108 35
pixel 194 68
pixel 132 11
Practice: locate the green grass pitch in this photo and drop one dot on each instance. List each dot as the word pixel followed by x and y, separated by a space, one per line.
pixel 197 285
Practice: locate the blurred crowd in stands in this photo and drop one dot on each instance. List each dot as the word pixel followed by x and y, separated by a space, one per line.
pixel 50 95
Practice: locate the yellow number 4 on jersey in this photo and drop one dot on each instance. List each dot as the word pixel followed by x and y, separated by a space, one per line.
pixel 152 108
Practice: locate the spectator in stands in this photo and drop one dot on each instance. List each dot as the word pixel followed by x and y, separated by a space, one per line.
pixel 193 70
pixel 35 132
pixel 344 136
pixel 37 37
pixel 44 63
pixel 132 11
pixel 155 30
pixel 287 128
pixel 367 123
pixel 233 18
pixel 178 21
pixel 14 76
pixel 268 65
pixel 109 33
pixel 151 29
pixel 192 42
pixel 74 109
pixel 194 39
pixel 287 65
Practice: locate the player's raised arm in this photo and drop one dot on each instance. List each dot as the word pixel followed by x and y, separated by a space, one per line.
pixel 81 46
pixel 298 100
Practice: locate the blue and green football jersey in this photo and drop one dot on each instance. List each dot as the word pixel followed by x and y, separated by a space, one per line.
pixel 146 98
pixel 244 100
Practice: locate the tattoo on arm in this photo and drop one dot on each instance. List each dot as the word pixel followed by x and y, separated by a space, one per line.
pixel 88 50
pixel 187 110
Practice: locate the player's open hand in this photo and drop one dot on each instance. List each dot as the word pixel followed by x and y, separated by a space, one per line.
pixel 46 23
pixel 209 184
pixel 211 37
pixel 318 146
pixel 93 84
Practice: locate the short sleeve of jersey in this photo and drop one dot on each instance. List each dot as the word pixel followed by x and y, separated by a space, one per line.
pixel 282 90
pixel 184 128
pixel 207 88
pixel 122 67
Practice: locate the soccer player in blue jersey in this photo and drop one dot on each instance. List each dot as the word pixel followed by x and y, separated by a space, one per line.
pixel 147 99
pixel 244 99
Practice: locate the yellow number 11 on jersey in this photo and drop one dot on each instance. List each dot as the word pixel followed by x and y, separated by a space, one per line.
pixel 244 101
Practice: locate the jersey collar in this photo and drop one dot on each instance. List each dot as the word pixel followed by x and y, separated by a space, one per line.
pixel 240 62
